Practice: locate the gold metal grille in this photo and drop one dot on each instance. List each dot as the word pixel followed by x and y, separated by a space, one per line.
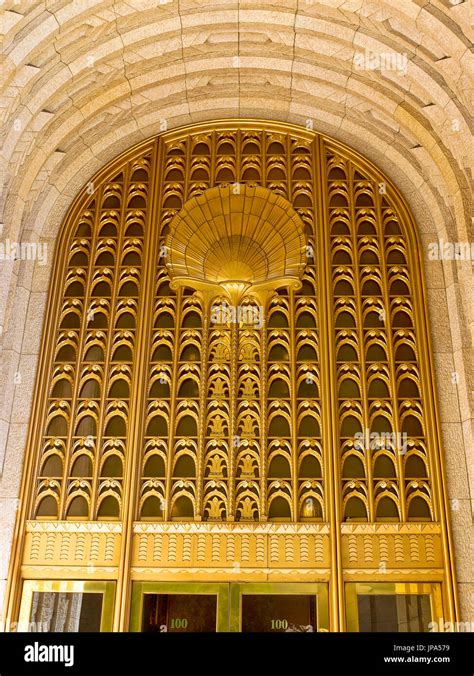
pixel 383 455
pixel 161 399
pixel 233 411
pixel 224 388
pixel 85 433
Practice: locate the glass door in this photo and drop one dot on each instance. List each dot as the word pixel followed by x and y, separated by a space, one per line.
pixel 392 606
pixel 179 607
pixel 279 607
pixel 244 607
pixel 66 606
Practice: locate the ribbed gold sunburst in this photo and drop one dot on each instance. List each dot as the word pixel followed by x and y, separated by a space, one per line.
pixel 234 238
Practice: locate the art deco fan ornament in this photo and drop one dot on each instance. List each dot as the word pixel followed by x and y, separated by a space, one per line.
pixel 234 240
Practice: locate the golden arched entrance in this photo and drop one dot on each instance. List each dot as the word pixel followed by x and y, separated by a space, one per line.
pixel 234 407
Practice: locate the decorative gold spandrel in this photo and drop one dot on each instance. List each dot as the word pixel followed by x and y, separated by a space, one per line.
pixel 386 547
pixel 67 543
pixel 233 547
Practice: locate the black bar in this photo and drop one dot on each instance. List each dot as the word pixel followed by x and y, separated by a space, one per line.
pixel 305 653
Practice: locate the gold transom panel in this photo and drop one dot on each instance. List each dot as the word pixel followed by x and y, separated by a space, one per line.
pixel 236 337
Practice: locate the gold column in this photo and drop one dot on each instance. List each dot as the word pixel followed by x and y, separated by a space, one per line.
pixel 138 400
pixel 329 400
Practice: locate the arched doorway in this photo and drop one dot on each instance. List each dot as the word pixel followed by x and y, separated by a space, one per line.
pixel 235 396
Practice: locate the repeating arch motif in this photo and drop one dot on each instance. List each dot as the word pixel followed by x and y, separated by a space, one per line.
pixel 242 387
pixel 233 416
pixel 85 439
pixel 381 425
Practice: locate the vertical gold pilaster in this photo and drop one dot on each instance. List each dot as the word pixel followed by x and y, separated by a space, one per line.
pixel 329 400
pixel 138 399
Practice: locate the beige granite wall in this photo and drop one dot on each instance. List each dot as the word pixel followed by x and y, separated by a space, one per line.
pixel 83 80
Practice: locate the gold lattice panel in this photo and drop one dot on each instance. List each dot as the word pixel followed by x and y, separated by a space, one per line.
pixel 233 419
pixel 233 416
pixel 85 435
pixel 384 460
